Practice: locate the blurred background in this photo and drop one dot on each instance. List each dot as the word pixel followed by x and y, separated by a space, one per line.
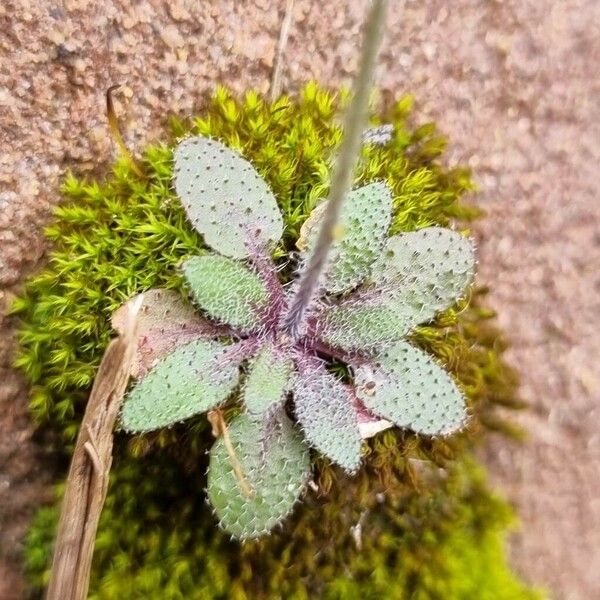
pixel 516 87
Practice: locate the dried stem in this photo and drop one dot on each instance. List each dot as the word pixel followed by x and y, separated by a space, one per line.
pixel 354 123
pixel 284 33
pixel 113 124
pixel 87 482
pixel 219 429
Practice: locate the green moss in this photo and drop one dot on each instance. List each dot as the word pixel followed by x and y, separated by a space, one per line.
pixel 444 541
pixel 426 537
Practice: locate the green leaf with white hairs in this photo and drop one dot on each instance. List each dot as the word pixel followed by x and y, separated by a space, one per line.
pixel 227 290
pixel 363 324
pixel 191 379
pixel 274 466
pixel 323 407
pixel 268 379
pixel 418 275
pixel 406 386
pixel 426 270
pixel 365 218
pixel 224 197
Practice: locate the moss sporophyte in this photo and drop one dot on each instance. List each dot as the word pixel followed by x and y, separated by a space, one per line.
pixel 374 290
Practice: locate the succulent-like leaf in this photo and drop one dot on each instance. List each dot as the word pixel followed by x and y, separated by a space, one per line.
pixel 363 322
pixel 364 220
pixel 227 290
pixel 274 464
pixel 268 379
pixel 426 271
pixel 323 406
pixel 191 379
pixel 226 200
pixel 164 321
pixel 410 389
pixel 419 274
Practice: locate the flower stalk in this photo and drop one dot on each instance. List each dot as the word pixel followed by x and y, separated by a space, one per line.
pixel 354 124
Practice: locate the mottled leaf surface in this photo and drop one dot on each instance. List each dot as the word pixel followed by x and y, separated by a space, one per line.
pixel 164 321
pixel 364 220
pixel 227 290
pixel 363 323
pixel 406 386
pixel 275 465
pixel 268 379
pixel 323 407
pixel 425 271
pixel 419 274
pixel 224 197
pixel 191 379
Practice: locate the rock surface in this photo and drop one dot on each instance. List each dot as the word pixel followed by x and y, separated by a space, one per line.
pixel 514 84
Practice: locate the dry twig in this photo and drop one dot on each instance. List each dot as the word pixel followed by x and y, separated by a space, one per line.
pixel 284 33
pixel 219 429
pixel 87 482
pixel 113 125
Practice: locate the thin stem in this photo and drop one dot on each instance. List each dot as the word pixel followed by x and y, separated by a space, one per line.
pixel 220 429
pixel 113 124
pixel 281 44
pixel 354 123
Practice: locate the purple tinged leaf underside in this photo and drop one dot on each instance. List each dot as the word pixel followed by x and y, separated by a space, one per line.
pixel 324 409
pixel 165 320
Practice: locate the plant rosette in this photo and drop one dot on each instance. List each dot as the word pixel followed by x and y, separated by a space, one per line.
pixel 233 344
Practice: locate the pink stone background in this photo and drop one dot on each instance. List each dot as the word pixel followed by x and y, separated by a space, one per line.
pixel 515 84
